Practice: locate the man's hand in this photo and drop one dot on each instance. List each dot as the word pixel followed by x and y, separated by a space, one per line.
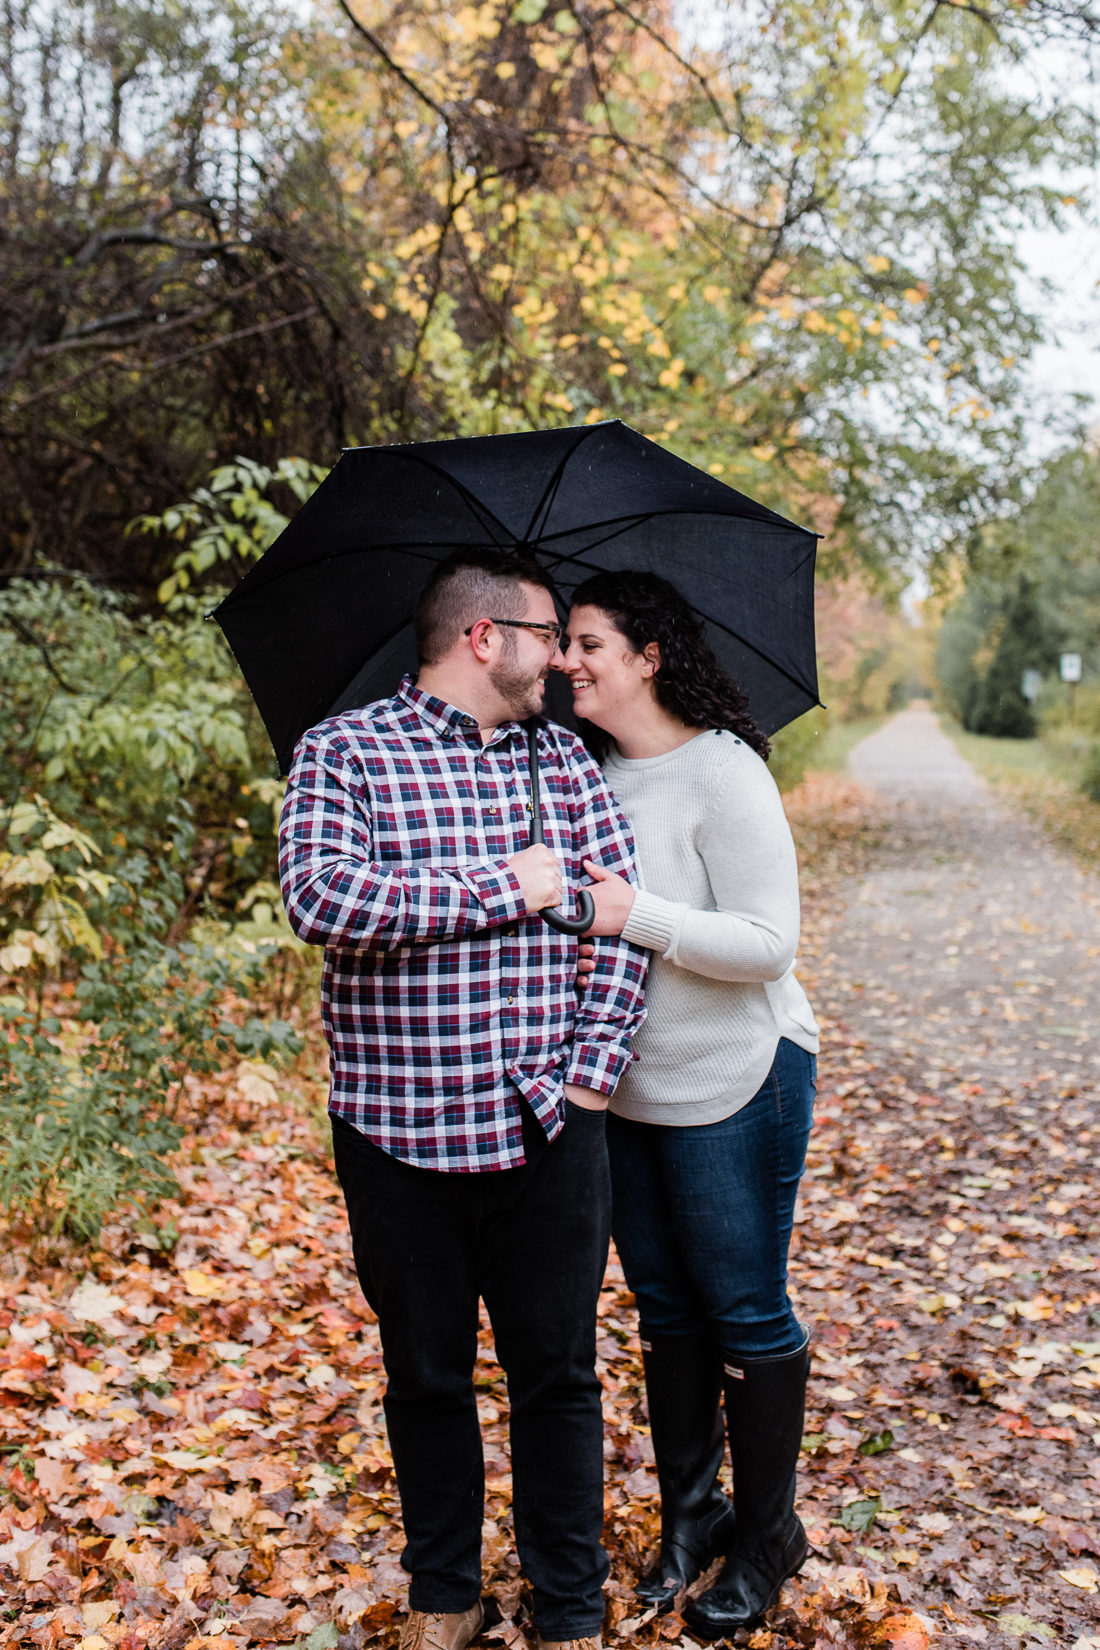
pixel 539 876
pixel 590 1099
pixel 613 897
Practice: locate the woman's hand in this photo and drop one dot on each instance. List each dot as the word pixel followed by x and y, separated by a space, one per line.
pixel 612 896
pixel 586 963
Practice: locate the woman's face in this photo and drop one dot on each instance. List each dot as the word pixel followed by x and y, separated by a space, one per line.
pixel 609 680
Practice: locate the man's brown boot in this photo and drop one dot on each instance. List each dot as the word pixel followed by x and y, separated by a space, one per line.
pixel 595 1643
pixel 441 1632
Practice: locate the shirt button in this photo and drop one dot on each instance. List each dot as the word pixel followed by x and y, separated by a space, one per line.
pixel 511 1000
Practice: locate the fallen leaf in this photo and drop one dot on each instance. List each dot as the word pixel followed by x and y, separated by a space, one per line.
pixel 1023 1626
pixel 1083 1576
pixel 202 1285
pixel 92 1302
pixel 901 1632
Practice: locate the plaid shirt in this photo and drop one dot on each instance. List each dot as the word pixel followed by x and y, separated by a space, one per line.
pixel 442 1001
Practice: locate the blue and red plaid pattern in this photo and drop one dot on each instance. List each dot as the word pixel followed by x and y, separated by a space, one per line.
pixel 442 1001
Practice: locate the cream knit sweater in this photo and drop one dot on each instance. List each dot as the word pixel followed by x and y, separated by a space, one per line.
pixel 718 906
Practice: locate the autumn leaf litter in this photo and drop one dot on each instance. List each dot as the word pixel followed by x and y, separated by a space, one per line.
pixel 194 1450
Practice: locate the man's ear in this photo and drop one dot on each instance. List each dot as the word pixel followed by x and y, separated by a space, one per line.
pixel 479 640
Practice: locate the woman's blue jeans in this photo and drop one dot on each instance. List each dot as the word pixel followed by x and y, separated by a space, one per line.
pixel 702 1216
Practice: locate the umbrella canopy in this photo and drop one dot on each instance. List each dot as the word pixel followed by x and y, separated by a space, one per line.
pixel 323 622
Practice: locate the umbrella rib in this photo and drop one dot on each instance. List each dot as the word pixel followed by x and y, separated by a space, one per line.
pixel 550 492
pixel 578 561
pixel 653 515
pixel 481 511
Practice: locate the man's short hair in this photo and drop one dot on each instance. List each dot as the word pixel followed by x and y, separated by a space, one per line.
pixel 470 585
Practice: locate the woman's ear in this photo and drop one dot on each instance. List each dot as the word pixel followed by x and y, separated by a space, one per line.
pixel 652 657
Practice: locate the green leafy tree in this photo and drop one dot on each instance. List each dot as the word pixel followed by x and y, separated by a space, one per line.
pixel 998 706
pixel 786 250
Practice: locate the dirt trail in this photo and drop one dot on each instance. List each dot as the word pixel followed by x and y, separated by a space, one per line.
pixel 974 948
pixel 946 1257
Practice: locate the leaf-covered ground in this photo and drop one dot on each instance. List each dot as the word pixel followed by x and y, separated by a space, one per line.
pixel 195 1453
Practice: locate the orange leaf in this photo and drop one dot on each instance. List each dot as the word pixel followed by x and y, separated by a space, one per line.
pixel 902 1632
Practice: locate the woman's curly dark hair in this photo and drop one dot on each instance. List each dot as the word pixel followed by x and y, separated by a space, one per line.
pixel 690 682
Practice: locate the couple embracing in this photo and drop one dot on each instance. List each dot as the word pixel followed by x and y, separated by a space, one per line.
pixel 501 1102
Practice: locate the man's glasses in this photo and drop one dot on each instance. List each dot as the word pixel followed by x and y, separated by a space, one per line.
pixel 551 634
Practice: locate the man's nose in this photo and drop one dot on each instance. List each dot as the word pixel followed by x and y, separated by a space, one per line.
pixel 557 658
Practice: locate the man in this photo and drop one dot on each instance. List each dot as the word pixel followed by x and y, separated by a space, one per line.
pixel 469 1080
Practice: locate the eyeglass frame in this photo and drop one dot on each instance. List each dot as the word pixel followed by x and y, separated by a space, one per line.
pixel 540 625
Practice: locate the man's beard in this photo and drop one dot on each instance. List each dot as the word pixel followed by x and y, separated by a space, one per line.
pixel 523 693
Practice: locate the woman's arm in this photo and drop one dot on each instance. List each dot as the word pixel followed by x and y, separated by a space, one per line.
pixel 747 849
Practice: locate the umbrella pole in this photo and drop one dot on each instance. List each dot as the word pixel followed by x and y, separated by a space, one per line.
pixel 586 910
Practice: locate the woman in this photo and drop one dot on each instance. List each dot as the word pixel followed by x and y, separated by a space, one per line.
pixel 708 1128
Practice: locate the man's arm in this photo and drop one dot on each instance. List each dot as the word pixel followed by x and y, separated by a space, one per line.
pixel 336 894
pixel 611 1009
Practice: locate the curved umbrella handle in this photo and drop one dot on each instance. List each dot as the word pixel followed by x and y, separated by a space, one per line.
pixel 580 924
pixel 550 914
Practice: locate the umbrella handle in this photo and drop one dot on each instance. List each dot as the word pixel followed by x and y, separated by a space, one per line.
pixel 550 914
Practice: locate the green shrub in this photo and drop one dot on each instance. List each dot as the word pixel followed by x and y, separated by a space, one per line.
pixel 136 795
pixel 88 1114
pixel 1090 779
pixel 793 746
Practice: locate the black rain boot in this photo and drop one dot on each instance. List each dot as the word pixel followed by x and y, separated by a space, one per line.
pixel 765 1408
pixel 683 1387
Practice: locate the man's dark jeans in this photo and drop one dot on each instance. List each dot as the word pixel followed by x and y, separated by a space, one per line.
pixel 532 1242
pixel 703 1215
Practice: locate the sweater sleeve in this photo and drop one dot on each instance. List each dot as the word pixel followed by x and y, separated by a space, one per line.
pixel 746 846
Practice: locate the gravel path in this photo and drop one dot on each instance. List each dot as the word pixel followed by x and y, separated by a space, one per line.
pixel 946 1251
pixel 973 948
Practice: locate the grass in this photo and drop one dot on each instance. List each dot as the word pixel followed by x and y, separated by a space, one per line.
pixel 1043 776
pixel 997 759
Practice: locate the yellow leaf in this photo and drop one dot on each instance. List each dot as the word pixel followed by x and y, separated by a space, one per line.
pixel 763 453
pixel 913 295
pixel 878 265
pixel 202 1285
pixel 505 71
pixel 716 469
pixel 616 369
pixel 406 128
pixel 1083 1576
pixel 594 415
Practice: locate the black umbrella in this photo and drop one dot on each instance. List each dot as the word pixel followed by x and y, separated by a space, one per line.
pixel 323 622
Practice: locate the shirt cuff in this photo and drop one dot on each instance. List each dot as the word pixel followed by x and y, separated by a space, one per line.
pixel 498 890
pixel 598 1065
pixel 653 922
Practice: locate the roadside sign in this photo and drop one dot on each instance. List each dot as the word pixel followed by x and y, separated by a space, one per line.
pixel 1030 684
pixel 1070 667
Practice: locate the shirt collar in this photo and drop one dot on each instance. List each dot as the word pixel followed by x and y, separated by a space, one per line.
pixel 445 720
